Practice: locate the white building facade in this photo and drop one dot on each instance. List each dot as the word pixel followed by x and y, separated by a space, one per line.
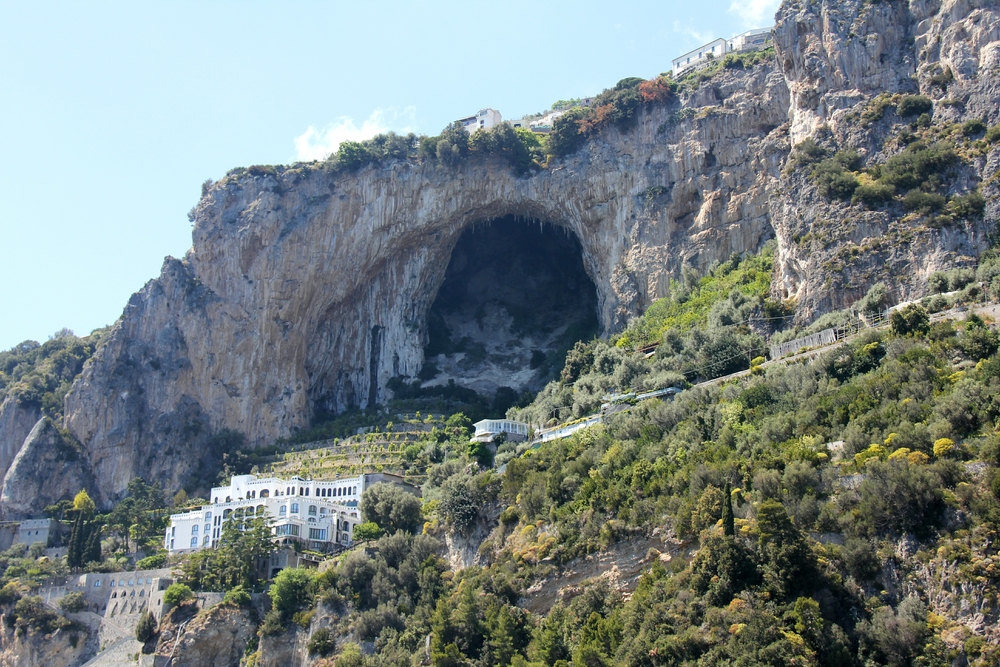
pixel 317 514
pixel 487 429
pixel 483 120
pixel 750 40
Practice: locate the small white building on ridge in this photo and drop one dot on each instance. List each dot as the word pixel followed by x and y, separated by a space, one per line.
pixel 483 120
pixel 751 40
pixel 316 514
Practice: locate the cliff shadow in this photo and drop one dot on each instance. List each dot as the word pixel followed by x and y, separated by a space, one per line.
pixel 514 299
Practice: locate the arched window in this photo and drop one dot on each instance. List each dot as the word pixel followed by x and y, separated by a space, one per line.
pixel 114 594
pixel 283 510
pixel 260 509
pixel 312 510
pixel 194 541
pixel 225 515
pixel 194 530
pixel 229 499
pixel 217 500
pixel 208 516
pixel 204 541
pixel 142 594
pixel 295 508
pixel 265 494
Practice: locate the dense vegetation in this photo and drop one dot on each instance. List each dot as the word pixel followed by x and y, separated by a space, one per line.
pixel 867 446
pixel 39 375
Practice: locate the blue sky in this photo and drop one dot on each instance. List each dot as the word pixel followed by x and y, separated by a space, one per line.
pixel 113 113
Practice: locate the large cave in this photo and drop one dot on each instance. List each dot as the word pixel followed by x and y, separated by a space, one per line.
pixel 515 298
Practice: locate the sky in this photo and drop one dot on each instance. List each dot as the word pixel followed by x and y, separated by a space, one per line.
pixel 112 114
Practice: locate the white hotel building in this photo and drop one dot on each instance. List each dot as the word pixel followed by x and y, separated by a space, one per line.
pixel 318 514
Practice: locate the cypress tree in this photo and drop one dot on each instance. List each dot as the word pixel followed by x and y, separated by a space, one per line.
pixel 92 552
pixel 74 552
pixel 728 522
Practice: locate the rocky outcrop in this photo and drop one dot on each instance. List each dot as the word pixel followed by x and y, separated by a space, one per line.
pixel 308 290
pixel 28 647
pixel 837 56
pixel 215 637
pixel 16 422
pixel 49 467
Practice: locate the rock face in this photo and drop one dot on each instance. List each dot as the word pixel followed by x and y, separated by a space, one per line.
pixel 48 468
pixel 16 422
pixel 836 56
pixel 31 648
pixel 216 637
pixel 307 290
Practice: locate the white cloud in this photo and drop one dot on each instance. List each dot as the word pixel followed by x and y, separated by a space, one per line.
pixel 755 13
pixel 316 144
pixel 688 31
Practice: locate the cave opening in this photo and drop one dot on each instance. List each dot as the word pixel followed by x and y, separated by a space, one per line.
pixel 514 300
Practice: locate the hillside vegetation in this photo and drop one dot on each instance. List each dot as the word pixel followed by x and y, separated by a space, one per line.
pixel 821 496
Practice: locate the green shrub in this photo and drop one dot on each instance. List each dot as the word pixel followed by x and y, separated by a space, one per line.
pixel 910 320
pixel 366 532
pixel 898 497
pixel 238 596
pixel 924 202
pixel 146 627
pixel 152 562
pixel 916 165
pixel 808 152
pixel 73 602
pixel 993 134
pixel 970 205
pixel 943 78
pixel 350 656
pixel 873 195
pixel 10 593
pixel 291 591
pixel 391 508
pixel 31 612
pixel 971 128
pixel 567 135
pixel 913 105
pixel 176 594
pixel 321 643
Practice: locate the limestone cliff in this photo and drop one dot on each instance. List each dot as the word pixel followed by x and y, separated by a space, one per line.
pixel 16 422
pixel 215 637
pixel 309 290
pixel 49 468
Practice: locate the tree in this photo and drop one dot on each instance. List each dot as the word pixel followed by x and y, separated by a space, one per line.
pixel 366 532
pixel 291 591
pixel 910 320
pixel 460 502
pixel 146 627
pixel 392 508
pixel 567 134
pixel 786 562
pixel 728 521
pixel 321 643
pixel 176 594
pixel 138 517
pixel 83 504
pixel 875 299
pixel 73 602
